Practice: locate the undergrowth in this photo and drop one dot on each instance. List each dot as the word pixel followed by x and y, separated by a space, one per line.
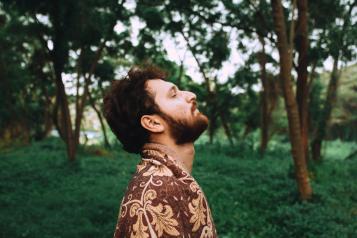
pixel 42 195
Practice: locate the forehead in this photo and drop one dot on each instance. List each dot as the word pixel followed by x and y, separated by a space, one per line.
pixel 158 87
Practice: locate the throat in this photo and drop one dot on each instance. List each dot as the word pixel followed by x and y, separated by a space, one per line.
pixel 182 153
pixel 185 155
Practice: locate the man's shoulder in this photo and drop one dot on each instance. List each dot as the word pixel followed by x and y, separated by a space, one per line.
pixel 157 177
pixel 170 201
pixel 153 196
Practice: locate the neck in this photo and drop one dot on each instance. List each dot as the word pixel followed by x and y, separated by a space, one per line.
pixel 185 152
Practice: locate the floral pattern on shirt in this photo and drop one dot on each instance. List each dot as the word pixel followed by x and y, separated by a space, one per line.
pixel 163 200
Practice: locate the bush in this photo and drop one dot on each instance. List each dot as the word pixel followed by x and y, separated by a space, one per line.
pixel 43 195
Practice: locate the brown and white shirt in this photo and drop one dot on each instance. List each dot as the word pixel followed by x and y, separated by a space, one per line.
pixel 163 200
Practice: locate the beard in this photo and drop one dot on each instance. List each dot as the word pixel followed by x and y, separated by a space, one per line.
pixel 186 131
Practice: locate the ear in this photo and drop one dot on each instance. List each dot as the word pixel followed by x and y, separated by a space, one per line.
pixel 152 123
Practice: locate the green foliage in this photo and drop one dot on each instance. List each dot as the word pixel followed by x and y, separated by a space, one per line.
pixel 337 33
pixel 151 15
pixel 37 35
pixel 22 99
pixel 343 117
pixel 257 198
pixel 245 104
pixel 42 195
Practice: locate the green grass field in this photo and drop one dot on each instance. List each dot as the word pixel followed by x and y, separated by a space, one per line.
pixel 42 195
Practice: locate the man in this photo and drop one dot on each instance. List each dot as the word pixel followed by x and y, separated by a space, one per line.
pixel 151 116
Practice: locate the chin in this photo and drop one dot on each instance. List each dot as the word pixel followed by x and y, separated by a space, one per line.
pixel 187 130
pixel 200 124
pixel 203 117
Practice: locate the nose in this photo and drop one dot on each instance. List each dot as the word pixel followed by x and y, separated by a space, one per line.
pixel 190 96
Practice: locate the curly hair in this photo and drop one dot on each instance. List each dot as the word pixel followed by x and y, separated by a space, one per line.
pixel 126 101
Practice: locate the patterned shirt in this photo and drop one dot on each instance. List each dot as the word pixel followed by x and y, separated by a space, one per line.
pixel 163 200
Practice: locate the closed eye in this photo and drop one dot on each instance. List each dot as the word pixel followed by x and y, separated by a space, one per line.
pixel 173 91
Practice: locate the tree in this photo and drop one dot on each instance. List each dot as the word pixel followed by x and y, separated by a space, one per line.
pixel 302 90
pixel 24 113
pixel 80 33
pixel 285 47
pixel 340 47
pixel 252 19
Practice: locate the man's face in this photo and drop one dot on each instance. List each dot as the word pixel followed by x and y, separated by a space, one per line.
pixel 179 110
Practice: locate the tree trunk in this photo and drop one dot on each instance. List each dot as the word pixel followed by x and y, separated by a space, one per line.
pixel 302 92
pixel 212 125
pixel 312 76
pixel 66 117
pixel 102 125
pixel 247 129
pixel 87 81
pixel 332 88
pixel 100 117
pixel 179 78
pixel 59 57
pixel 226 128
pixel 265 117
pixel 55 120
pixel 326 114
pixel 47 117
pixel 297 149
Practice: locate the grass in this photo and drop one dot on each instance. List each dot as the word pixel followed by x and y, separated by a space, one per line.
pixel 42 195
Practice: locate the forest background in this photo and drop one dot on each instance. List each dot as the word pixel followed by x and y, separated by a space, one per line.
pixel 277 79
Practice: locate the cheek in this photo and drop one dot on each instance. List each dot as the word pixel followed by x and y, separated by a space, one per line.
pixel 185 111
pixel 176 109
pixel 180 112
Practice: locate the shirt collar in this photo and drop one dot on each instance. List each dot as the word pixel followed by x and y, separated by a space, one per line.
pixel 164 149
pixel 162 153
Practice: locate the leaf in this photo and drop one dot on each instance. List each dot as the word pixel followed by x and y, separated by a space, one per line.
pixel 139 229
pixel 163 219
pixel 198 212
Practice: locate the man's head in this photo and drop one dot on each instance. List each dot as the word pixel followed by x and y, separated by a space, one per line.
pixel 143 106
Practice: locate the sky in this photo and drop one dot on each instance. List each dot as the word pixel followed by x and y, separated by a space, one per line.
pixel 177 51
